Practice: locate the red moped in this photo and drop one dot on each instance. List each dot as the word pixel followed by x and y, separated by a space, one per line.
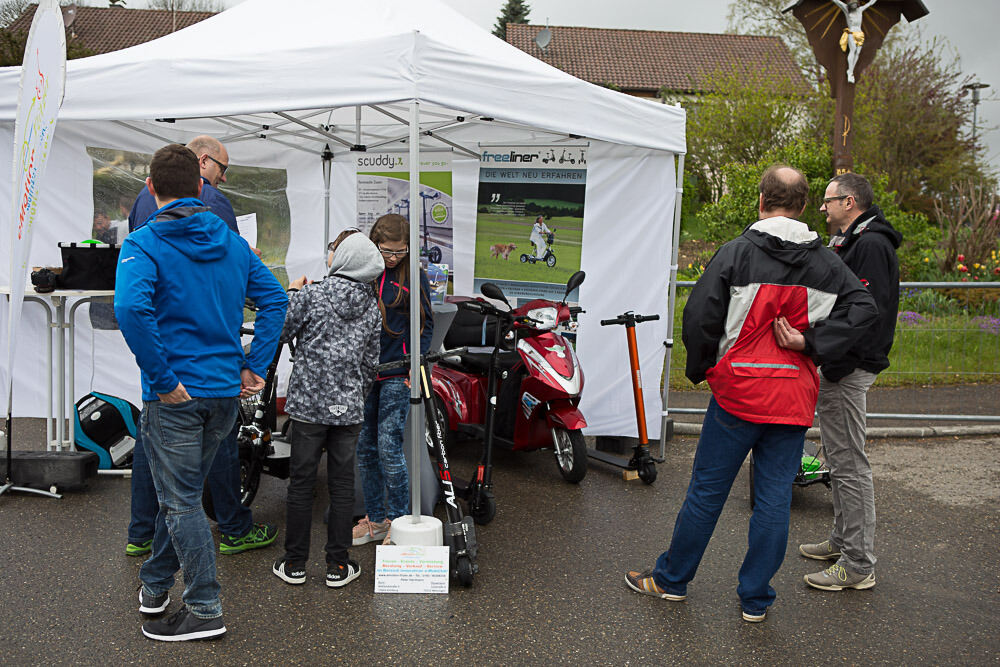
pixel 523 393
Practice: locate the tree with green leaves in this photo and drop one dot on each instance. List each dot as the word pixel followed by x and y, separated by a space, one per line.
pixel 12 45
pixel 743 113
pixel 514 11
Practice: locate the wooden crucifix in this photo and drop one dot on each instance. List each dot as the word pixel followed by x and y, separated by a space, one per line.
pixel 844 37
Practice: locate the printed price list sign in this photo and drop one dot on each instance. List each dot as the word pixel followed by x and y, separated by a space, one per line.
pixel 411 569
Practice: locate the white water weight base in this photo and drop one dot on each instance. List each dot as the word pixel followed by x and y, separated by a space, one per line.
pixel 426 531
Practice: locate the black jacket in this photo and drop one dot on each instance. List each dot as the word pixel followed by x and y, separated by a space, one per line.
pixel 868 247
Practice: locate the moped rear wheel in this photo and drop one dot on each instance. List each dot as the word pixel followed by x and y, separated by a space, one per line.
pixel 571 454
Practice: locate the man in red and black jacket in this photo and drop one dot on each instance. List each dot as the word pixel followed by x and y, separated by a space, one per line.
pixel 867 243
pixel 774 280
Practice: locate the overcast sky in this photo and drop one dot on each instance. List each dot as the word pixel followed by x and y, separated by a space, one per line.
pixel 970 26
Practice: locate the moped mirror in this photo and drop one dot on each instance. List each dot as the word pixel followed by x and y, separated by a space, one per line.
pixel 574 281
pixel 491 291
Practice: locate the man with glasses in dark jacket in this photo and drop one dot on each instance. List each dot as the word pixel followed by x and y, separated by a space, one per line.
pixel 867 243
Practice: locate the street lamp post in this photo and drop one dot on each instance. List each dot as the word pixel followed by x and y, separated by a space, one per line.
pixel 975 88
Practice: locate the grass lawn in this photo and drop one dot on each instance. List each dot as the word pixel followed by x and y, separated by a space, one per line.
pixel 929 349
pixel 492 229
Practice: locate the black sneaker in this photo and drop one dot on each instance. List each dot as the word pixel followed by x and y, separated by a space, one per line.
pixel 138 548
pixel 182 626
pixel 290 574
pixel 259 535
pixel 151 605
pixel 341 575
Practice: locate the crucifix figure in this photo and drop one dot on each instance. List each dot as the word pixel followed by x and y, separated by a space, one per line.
pixel 853 37
pixel 838 26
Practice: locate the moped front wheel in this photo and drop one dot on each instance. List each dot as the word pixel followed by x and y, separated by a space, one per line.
pixel 550 261
pixel 571 454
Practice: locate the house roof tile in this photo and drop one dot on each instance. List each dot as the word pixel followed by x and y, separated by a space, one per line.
pixel 646 60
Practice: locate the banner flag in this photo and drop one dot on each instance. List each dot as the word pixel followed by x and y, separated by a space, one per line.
pixel 43 80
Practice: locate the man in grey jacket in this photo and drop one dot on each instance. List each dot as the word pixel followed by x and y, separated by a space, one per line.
pixel 337 325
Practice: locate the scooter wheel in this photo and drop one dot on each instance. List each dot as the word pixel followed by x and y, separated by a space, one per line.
pixel 550 261
pixel 647 472
pixel 434 255
pixel 524 258
pixel 484 511
pixel 463 571
pixel 571 454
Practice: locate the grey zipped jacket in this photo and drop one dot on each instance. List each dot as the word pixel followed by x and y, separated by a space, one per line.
pixel 336 325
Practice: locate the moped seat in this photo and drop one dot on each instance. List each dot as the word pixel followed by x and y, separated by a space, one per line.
pixel 479 362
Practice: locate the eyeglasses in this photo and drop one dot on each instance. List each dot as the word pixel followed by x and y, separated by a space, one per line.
pixel 223 167
pixel 393 253
pixel 827 200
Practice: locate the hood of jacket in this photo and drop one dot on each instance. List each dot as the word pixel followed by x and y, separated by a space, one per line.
pixel 192 229
pixel 348 298
pixel 786 240
pixel 357 258
pixel 870 221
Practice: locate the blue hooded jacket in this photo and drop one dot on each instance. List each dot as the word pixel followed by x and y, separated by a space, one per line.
pixel 180 289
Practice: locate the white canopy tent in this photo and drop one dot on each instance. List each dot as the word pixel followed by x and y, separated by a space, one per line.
pixel 298 84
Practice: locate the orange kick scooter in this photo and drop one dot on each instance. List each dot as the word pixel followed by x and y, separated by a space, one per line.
pixel 641 461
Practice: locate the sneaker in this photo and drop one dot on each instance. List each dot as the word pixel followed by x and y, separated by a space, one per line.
pixel 754 618
pixel 152 605
pixel 341 575
pixel 642 582
pixel 260 535
pixel 182 626
pixel 290 574
pixel 837 578
pixel 822 551
pixel 366 531
pixel 138 548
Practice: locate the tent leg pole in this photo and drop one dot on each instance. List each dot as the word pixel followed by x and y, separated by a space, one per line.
pixel 671 302
pixel 416 406
pixel 327 165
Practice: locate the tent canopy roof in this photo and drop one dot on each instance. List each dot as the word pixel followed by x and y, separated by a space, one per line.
pixel 316 60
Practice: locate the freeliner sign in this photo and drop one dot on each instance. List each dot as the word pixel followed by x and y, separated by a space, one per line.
pixel 43 78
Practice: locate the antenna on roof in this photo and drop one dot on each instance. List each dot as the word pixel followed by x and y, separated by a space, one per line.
pixel 543 37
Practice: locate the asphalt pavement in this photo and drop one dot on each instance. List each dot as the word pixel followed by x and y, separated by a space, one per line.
pixel 551 583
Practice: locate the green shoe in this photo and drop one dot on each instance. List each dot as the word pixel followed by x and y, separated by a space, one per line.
pixel 260 535
pixel 138 548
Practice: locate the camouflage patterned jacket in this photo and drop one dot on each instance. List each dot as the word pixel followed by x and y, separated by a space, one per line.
pixel 337 326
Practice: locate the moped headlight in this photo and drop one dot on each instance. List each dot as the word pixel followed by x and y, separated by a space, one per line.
pixel 545 318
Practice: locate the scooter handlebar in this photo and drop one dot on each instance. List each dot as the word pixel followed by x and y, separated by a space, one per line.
pixel 629 318
pixel 427 359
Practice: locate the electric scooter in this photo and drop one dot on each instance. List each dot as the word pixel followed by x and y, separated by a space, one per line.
pixel 536 404
pixel 641 461
pixel 430 251
pixel 459 530
pixel 549 258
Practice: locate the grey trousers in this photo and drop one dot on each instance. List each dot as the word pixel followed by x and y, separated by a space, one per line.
pixel 841 407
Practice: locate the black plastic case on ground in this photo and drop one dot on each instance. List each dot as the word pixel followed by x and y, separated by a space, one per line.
pixel 41 470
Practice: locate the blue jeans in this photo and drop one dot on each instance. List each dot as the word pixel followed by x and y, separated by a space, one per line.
pixel 181 442
pixel 723 446
pixel 384 476
pixel 234 519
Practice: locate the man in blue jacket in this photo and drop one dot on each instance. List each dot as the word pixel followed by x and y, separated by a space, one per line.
pixel 239 532
pixel 181 284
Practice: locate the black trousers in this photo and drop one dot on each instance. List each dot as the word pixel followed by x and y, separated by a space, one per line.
pixel 309 441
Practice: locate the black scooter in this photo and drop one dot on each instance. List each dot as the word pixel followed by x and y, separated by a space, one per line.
pixel 459 530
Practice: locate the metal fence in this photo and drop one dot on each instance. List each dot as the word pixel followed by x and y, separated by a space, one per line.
pixel 947 333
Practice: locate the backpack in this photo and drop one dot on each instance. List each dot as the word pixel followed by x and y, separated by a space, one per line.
pixel 107 425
